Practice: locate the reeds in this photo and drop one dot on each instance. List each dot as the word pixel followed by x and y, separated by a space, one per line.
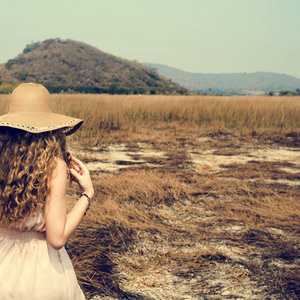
pixel 243 115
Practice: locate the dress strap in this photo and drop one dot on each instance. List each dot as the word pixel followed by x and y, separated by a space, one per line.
pixel 22 235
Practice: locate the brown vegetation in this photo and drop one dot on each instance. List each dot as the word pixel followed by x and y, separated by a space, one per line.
pixel 203 202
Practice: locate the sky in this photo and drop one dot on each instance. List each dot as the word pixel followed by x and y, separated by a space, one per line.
pixel 199 36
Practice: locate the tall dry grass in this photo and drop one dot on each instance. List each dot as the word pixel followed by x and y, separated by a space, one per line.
pixel 107 113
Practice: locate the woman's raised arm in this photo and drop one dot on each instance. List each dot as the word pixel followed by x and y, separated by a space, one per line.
pixel 59 224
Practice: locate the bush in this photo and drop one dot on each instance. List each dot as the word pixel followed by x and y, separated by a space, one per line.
pixel 7 88
pixel 9 65
pixel 22 76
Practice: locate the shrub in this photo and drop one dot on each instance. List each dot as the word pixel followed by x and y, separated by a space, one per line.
pixel 7 88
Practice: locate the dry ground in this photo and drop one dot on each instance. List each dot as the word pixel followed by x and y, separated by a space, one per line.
pixel 196 197
pixel 190 216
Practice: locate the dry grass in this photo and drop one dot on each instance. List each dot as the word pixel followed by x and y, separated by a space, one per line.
pixel 154 221
pixel 104 114
pixel 223 227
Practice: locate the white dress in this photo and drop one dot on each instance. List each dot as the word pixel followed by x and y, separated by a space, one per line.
pixel 30 269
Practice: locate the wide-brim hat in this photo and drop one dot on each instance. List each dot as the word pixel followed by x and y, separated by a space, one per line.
pixel 30 110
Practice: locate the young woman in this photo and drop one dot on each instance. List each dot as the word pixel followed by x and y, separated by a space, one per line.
pixel 34 224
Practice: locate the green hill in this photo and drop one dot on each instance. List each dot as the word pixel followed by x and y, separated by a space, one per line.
pixel 71 66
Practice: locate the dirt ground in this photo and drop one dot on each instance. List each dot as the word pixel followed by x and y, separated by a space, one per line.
pixel 191 217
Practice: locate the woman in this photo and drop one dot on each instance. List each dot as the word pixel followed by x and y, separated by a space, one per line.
pixel 34 225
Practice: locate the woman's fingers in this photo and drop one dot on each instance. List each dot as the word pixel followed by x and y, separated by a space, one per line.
pixel 76 168
pixel 75 175
pixel 81 168
pixel 82 176
pixel 77 161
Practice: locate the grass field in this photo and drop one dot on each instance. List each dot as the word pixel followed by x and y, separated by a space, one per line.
pixel 196 197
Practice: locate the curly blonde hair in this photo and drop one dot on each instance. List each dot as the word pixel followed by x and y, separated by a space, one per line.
pixel 27 163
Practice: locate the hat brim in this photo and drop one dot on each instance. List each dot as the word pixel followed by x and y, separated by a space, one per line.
pixel 40 122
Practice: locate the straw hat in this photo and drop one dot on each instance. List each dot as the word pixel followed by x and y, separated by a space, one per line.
pixel 30 110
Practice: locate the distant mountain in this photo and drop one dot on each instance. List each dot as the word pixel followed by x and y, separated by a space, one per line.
pixel 67 65
pixel 235 83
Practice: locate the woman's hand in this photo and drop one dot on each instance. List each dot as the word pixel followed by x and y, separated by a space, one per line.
pixel 60 224
pixel 81 175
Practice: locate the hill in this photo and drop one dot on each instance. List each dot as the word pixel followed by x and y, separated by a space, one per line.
pixel 67 65
pixel 235 83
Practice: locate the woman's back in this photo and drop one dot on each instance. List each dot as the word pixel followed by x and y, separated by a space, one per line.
pixel 30 268
pixel 34 223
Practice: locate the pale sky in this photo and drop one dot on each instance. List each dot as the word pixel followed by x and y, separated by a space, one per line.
pixel 200 36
